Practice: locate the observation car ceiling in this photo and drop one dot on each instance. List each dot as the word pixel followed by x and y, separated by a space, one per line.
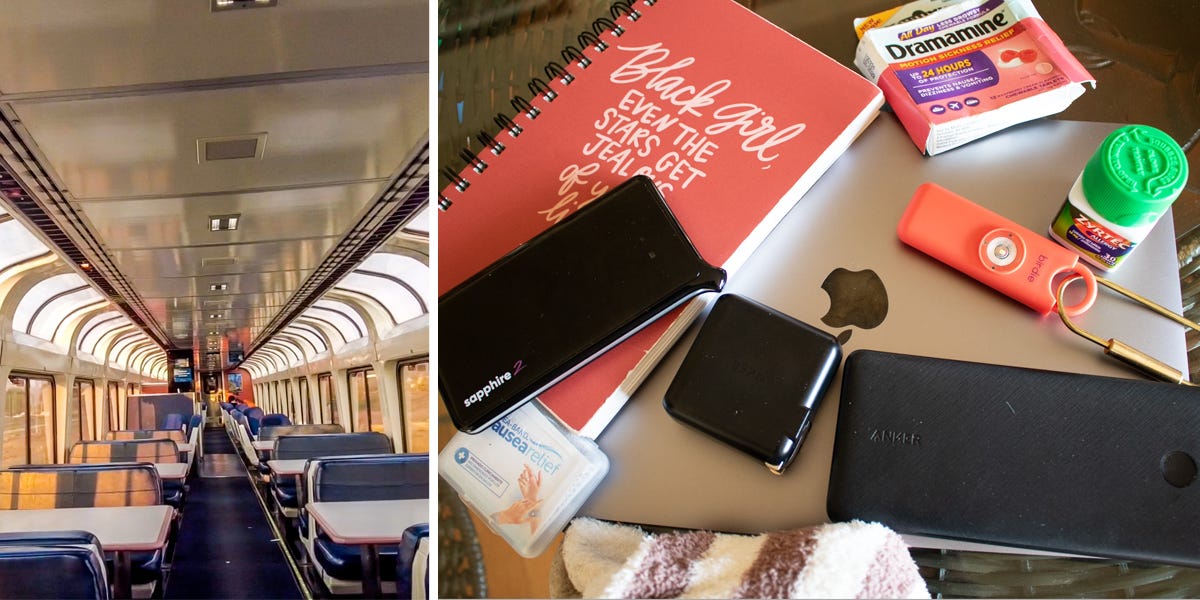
pixel 103 144
pixel 387 289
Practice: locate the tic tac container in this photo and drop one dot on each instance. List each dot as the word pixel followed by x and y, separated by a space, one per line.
pixel 1132 179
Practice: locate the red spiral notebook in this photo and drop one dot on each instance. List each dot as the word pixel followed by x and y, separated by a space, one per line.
pixel 732 117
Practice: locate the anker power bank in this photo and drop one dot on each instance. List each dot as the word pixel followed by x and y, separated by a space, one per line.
pixel 1071 463
pixel 754 379
pixel 561 299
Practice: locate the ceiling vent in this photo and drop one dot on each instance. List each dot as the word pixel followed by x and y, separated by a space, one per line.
pixel 234 147
pixel 220 261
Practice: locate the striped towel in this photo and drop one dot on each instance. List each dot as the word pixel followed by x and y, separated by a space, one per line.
pixel 842 560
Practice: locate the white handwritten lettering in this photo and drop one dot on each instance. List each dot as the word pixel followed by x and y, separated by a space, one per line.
pixel 671 87
pixel 741 116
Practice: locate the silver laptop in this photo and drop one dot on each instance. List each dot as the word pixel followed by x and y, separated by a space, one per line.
pixel 664 473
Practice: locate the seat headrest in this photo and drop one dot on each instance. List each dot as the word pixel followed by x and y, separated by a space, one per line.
pixel 49 538
pixel 377 477
pixel 53 572
pixel 331 444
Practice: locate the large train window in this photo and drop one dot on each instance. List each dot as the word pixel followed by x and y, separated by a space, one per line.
pixel 29 421
pixel 302 392
pixel 329 412
pixel 114 406
pixel 84 393
pixel 364 400
pixel 291 400
pixel 413 379
pixel 79 413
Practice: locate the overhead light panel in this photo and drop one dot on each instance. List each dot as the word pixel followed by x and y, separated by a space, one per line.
pixel 214 315
pixel 223 222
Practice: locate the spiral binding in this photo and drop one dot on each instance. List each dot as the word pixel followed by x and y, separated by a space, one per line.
pixel 523 105
pixel 508 125
pixel 555 70
pixel 491 142
pixel 541 88
pixel 473 160
pixel 573 54
pixel 587 38
pixel 573 58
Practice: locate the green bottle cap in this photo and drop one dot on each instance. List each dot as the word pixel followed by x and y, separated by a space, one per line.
pixel 1135 175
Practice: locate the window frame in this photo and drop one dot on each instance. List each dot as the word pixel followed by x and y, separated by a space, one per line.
pixel 330 401
pixel 406 433
pixel 304 395
pixel 52 451
pixel 367 371
pixel 114 404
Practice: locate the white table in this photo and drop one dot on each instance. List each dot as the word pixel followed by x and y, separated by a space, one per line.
pixel 290 466
pixel 368 524
pixel 186 448
pixel 171 470
pixel 293 467
pixel 264 445
pixel 120 529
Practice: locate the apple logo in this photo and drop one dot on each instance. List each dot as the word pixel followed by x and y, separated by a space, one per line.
pixel 856 298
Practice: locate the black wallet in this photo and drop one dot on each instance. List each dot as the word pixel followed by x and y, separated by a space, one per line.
pixel 561 299
pixel 1072 463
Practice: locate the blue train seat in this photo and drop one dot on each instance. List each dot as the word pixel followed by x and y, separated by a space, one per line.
pixel 291 447
pixel 273 420
pixel 173 421
pixel 52 571
pixel 350 478
pixel 408 561
pixel 84 485
pixel 254 417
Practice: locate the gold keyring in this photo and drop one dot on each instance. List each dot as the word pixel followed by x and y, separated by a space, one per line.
pixel 1120 350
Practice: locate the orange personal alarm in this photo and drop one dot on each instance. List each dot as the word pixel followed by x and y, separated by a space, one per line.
pixel 992 249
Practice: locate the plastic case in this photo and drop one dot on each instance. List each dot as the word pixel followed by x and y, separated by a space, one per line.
pixel 526 476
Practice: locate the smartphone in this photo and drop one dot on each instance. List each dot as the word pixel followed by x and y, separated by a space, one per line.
pixel 563 298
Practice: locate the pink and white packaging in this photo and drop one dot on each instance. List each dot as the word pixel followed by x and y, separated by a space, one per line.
pixel 954 72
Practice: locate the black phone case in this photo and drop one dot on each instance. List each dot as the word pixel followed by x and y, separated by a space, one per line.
pixel 1072 463
pixel 754 379
pixel 562 298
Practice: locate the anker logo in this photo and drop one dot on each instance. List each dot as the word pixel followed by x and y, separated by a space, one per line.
pixel 888 436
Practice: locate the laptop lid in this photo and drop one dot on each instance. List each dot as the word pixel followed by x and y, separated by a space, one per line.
pixel 664 473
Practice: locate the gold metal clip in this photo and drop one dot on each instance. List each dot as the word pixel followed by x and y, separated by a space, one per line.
pixel 1120 350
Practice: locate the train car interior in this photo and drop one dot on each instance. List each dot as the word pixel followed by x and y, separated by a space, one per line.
pixel 214 298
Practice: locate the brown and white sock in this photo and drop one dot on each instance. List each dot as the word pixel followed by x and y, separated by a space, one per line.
pixel 843 560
